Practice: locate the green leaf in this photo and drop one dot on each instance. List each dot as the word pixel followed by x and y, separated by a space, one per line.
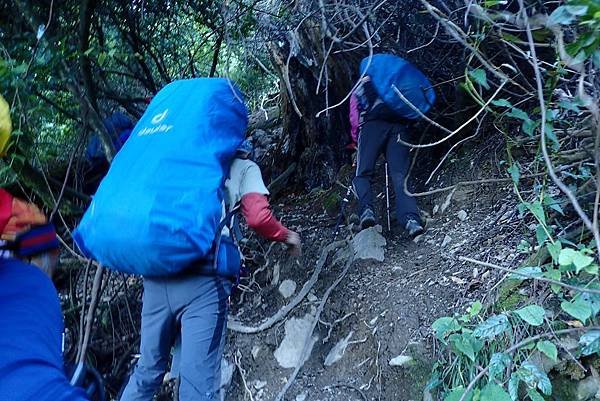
pixel 474 309
pixel 566 256
pixel 596 56
pixel 548 348
pixel 498 364
pixel 534 395
pixel 532 314
pixel 593 300
pixel 491 3
pixel 554 250
pixel 525 273
pixel 444 326
pixel 456 393
pixel 101 59
pixel 553 204
pixel 581 261
pixel 592 269
pixel 535 377
pixel 577 10
pixel 529 127
pixel 590 342
pixel 578 308
pixel 513 386
pixel 550 134
pixel 537 210
pixel 480 77
pixel 501 103
pixel 466 344
pixel 514 172
pixel 569 105
pixel 518 113
pixel 492 327
pixel 493 392
pixel 561 16
pixel 554 274
pixel 540 234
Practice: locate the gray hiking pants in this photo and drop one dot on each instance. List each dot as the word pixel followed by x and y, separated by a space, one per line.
pixel 196 308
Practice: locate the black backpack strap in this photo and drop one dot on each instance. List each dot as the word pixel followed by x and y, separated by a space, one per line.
pixel 225 222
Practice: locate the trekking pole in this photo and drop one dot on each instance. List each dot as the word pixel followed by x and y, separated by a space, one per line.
pixel 344 204
pixel 342 214
pixel 387 196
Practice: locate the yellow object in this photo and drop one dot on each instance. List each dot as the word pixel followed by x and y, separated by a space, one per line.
pixel 5 125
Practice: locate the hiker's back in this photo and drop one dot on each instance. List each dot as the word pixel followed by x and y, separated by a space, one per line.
pixel 158 208
pixel 390 75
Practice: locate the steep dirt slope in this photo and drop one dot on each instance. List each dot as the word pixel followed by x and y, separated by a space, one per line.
pixel 387 307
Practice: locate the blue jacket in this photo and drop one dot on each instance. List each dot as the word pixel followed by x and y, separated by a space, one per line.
pixel 31 327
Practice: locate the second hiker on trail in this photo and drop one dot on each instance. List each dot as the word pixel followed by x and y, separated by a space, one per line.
pixel 165 211
pixel 379 119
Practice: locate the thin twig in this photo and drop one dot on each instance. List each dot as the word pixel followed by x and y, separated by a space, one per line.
pixel 529 276
pixel 91 310
pixel 451 133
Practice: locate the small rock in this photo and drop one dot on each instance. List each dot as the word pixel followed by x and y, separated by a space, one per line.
pixel 427 395
pixel 255 351
pixel 301 397
pixel 446 241
pixel 287 288
pixel 276 272
pixel 435 209
pixel 462 215
pixel 369 244
pixel 588 388
pixel 338 350
pixel 401 360
pixel 312 297
pixel 447 201
pixel 290 350
pixel 259 384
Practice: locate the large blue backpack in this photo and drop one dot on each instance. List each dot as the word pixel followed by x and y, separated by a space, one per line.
pixel 158 209
pixel 388 71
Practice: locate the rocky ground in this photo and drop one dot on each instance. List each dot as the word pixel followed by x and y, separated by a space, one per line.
pixel 373 338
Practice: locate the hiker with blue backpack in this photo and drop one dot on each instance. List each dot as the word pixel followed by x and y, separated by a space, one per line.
pixel 166 211
pixel 379 118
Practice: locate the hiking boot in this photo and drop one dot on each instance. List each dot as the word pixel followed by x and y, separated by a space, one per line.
pixel 367 219
pixel 414 228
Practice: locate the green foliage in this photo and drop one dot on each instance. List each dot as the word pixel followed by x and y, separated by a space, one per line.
pixel 493 392
pixel 532 314
pixel 553 250
pixel 492 327
pixel 548 348
pixel 445 325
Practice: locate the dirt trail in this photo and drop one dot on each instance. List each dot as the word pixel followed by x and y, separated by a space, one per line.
pixel 387 307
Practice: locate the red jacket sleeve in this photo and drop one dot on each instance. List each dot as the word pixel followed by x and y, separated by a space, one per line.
pixel 259 216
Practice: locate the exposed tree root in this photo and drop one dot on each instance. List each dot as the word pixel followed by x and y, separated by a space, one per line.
pixel 237 326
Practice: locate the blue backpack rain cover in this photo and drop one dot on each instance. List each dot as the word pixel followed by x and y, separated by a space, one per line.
pixel 157 210
pixel 386 70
